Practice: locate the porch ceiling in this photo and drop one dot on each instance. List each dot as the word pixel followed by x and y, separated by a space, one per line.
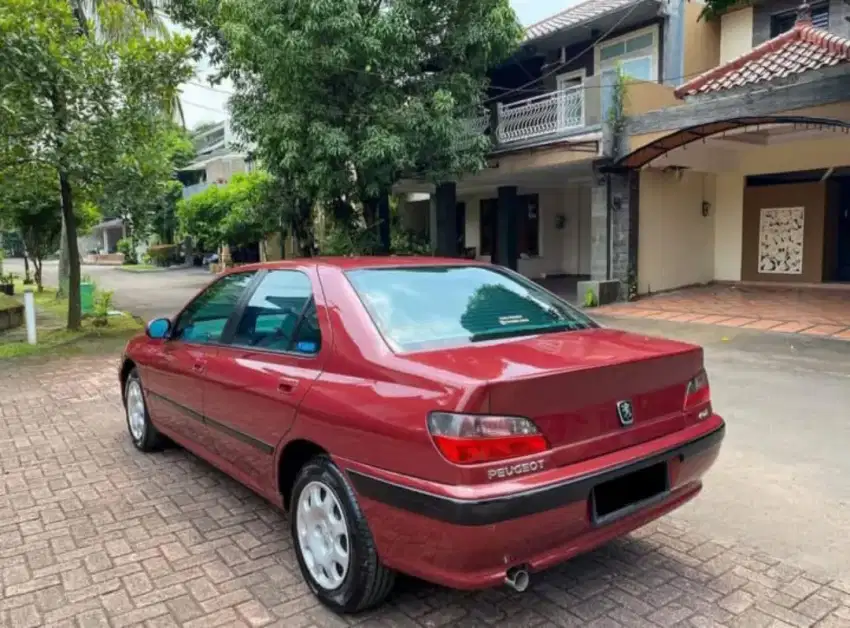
pixel 719 144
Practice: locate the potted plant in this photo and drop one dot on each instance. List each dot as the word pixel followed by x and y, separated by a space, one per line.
pixel 7 284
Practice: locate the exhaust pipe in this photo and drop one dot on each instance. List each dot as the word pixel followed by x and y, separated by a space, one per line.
pixel 517 579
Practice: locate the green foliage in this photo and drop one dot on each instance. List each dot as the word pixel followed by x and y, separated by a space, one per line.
pixel 126 248
pixel 715 8
pixel 617 110
pixel 102 307
pixel 76 104
pixel 590 299
pixel 162 254
pixel 243 211
pixel 342 99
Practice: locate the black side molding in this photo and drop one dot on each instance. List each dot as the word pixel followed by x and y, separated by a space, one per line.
pixel 490 511
pixel 216 425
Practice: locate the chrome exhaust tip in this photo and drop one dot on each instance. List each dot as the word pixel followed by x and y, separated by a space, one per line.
pixel 517 579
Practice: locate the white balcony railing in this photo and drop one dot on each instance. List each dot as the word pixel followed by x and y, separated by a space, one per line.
pixel 541 115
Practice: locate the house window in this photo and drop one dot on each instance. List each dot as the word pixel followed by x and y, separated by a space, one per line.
pixel 637 55
pixel 527 227
pixel 783 22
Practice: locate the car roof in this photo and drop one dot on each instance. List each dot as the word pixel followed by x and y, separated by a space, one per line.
pixel 354 263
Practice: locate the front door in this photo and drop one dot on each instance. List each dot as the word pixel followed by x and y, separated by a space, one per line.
pixel 256 383
pixel 570 100
pixel 174 379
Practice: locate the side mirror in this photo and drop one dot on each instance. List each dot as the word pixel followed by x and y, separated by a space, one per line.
pixel 158 328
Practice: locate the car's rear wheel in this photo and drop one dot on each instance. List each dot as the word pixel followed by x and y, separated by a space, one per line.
pixel 144 435
pixel 332 541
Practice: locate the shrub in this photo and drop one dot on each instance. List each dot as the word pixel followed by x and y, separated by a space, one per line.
pixel 102 306
pixel 163 254
pixel 126 248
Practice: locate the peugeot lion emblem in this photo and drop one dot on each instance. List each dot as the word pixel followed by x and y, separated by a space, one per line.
pixel 625 412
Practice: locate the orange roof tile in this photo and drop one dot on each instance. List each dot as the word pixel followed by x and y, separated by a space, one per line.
pixel 798 50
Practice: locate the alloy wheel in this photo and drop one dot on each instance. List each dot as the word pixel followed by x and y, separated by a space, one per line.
pixel 323 535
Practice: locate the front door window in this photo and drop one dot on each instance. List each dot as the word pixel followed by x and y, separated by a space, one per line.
pixel 204 320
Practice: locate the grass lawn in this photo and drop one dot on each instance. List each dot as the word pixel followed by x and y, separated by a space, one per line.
pixel 54 339
pixel 139 268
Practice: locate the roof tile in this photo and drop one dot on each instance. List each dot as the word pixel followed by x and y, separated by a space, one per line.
pixel 799 50
pixel 578 14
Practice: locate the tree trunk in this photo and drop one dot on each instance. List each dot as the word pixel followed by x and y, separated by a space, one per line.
pixel 26 267
pixel 38 265
pixel 64 269
pixel 74 305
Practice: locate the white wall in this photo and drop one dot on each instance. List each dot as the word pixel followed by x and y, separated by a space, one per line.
pixel 562 251
pixel 736 34
pixel 676 245
pixel 728 226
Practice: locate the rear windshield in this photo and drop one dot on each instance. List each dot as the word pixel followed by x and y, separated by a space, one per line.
pixel 433 307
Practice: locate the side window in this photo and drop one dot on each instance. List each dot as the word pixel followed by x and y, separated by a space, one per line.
pixel 281 315
pixel 203 321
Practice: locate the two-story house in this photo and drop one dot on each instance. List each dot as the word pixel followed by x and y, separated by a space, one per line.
pixel 218 156
pixel 747 179
pixel 542 205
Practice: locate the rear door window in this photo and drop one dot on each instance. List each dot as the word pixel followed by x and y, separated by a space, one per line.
pixel 280 315
pixel 432 307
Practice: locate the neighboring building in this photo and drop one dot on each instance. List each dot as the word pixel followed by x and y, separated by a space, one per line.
pixel 218 156
pixel 748 179
pixel 542 205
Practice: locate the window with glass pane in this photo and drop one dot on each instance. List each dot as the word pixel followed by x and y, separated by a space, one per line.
pixel 204 320
pixel 278 315
pixel 784 22
pixel 429 308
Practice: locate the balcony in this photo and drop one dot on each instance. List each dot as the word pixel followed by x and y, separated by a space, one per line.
pixel 191 190
pixel 546 116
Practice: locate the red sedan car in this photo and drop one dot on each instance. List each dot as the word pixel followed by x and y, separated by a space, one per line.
pixel 441 418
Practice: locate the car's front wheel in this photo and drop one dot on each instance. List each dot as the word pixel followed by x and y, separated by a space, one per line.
pixel 142 432
pixel 333 543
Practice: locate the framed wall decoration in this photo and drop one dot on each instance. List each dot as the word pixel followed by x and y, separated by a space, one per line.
pixel 781 237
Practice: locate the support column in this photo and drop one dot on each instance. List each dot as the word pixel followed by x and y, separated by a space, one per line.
pixel 506 227
pixel 105 241
pixel 599 228
pixel 444 236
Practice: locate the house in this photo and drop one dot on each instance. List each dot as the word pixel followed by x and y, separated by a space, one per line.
pixel 100 244
pixel 218 156
pixel 747 179
pixel 545 204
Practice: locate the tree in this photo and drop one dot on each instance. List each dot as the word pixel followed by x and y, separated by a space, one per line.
pixel 342 99
pixel 715 8
pixel 29 204
pixel 70 103
pixel 241 212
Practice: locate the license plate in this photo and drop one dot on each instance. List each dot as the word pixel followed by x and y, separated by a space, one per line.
pixel 623 495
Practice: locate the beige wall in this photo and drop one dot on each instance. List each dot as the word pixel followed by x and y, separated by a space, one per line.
pixel 812 196
pixel 834 150
pixel 676 245
pixel 225 168
pixel 728 210
pixel 643 96
pixel 702 41
pixel 736 34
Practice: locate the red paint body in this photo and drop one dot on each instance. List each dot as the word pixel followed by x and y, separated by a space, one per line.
pixel 367 407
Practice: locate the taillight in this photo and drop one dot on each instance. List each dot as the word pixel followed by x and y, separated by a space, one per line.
pixel 698 394
pixel 471 439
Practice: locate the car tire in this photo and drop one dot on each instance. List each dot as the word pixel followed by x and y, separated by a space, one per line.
pixel 366 582
pixel 144 435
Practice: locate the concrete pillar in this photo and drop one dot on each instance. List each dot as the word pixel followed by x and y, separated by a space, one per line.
pixel 506 244
pixel 599 227
pixel 624 225
pixel 728 226
pixel 444 220
pixel 105 240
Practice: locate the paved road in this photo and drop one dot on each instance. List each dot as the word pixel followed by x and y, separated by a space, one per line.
pixel 147 295
pixel 93 532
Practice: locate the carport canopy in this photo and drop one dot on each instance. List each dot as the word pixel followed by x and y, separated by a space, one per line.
pixel 645 155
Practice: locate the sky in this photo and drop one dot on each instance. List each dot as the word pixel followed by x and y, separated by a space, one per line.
pixel 202 103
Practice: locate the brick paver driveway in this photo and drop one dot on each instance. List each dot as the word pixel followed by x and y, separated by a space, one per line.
pixel 93 533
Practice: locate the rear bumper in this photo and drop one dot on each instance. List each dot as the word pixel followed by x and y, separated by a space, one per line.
pixel 469 543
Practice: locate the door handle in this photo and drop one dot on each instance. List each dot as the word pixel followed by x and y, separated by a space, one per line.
pixel 199 367
pixel 286 385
